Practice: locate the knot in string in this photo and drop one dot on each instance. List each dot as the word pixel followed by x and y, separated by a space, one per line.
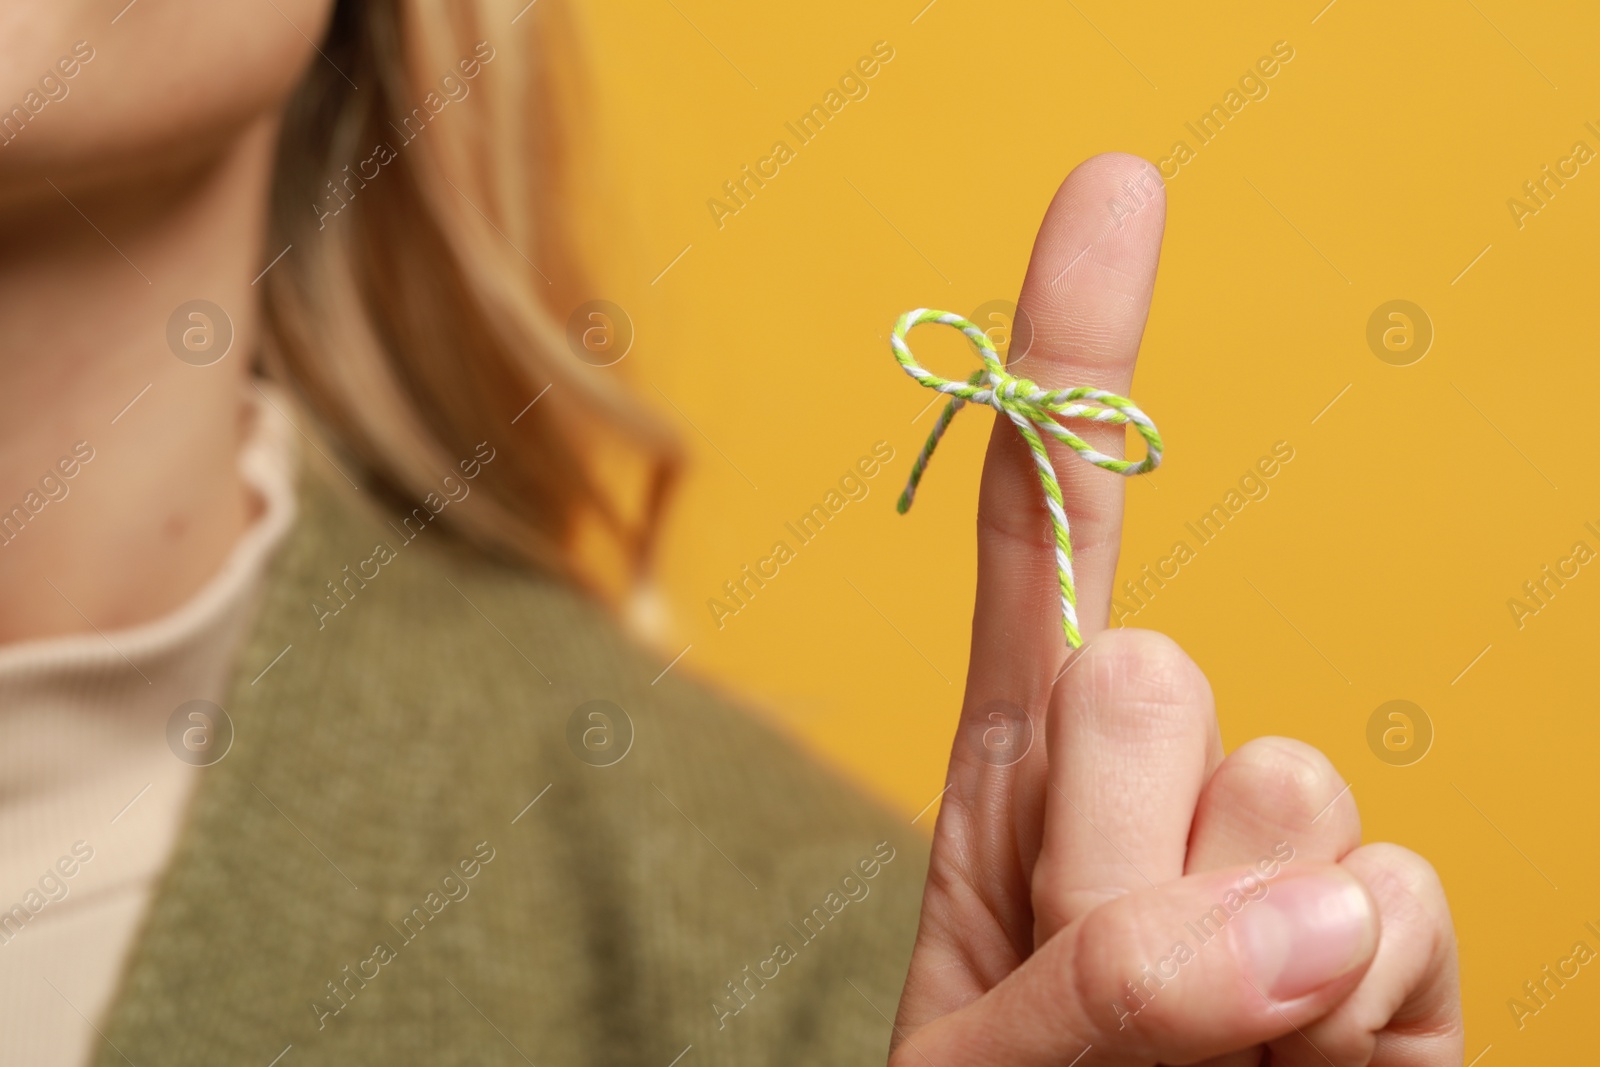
pixel 1033 410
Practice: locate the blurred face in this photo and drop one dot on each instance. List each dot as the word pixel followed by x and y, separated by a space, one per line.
pixel 95 91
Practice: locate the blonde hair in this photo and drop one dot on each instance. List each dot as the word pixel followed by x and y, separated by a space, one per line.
pixel 423 175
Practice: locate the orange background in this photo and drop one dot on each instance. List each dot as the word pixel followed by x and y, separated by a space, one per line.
pixel 1380 565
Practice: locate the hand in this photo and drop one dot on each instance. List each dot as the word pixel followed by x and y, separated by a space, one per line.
pixel 1121 893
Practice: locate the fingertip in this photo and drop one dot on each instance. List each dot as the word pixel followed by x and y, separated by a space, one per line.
pixel 1114 168
pixel 1111 202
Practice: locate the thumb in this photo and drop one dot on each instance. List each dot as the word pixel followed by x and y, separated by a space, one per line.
pixel 1201 966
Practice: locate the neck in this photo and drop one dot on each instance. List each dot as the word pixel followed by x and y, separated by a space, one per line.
pixel 120 493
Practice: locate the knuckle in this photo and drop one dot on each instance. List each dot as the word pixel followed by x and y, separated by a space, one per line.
pixel 1142 986
pixel 1417 951
pixel 1140 681
pixel 1108 938
pixel 1015 529
pixel 1012 515
pixel 1114 944
pixel 1288 780
pixel 1406 886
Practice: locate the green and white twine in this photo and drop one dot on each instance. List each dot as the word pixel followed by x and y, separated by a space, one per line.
pixel 1031 409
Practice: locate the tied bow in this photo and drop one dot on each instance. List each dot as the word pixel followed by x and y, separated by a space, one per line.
pixel 1031 408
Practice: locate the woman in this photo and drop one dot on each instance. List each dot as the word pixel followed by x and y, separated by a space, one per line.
pixel 320 744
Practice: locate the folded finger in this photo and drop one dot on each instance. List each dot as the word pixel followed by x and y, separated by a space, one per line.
pixel 1194 968
pixel 1273 800
pixel 1406 1011
pixel 1273 795
pixel 1132 738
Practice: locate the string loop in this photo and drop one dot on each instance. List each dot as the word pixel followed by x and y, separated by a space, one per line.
pixel 1033 410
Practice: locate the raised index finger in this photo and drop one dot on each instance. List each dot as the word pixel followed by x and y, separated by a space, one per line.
pixel 1087 295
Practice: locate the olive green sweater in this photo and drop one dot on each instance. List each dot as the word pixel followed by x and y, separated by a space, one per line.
pixel 403 858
